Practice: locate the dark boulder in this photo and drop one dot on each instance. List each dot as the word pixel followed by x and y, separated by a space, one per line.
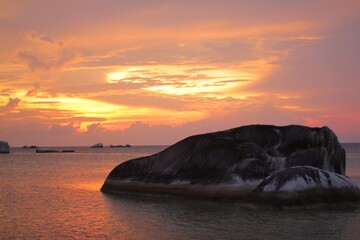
pixel 228 163
pixel 304 186
pixel 4 147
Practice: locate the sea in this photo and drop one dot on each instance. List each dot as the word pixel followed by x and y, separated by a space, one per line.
pixel 57 196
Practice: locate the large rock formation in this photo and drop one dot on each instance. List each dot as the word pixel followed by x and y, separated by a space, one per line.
pixel 4 147
pixel 228 164
pixel 304 185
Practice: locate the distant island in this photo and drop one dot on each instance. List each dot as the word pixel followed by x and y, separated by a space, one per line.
pixel 101 145
pixel 48 150
pixel 120 146
pixel 97 145
pixel 32 146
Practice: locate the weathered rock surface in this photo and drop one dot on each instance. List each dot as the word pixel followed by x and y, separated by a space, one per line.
pixel 304 185
pixel 4 147
pixel 228 163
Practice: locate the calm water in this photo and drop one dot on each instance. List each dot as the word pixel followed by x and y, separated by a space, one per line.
pixel 56 196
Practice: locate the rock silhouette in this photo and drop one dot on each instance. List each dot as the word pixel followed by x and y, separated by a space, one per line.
pixel 97 145
pixel 230 163
pixel 4 147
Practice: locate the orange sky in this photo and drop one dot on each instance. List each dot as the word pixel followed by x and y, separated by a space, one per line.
pixel 154 72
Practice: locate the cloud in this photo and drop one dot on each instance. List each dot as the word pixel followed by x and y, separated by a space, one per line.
pixel 149 68
pixel 57 61
pixel 323 73
pixel 32 60
pixel 59 130
pixel 32 92
pixel 66 56
pixel 142 133
pixel 144 99
pixel 210 80
pixel 87 119
pixel 38 37
pixel 12 104
pixel 44 53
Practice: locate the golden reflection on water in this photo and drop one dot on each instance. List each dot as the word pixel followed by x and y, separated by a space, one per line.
pixel 90 186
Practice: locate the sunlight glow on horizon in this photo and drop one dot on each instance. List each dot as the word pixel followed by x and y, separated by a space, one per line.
pixel 69 109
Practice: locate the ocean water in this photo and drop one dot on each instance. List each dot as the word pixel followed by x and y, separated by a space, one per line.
pixel 56 196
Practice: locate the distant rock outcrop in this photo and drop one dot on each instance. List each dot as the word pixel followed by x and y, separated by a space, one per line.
pixel 68 150
pixel 4 147
pixel 228 164
pixel 46 150
pixel 98 145
pixel 304 186
pixel 120 146
pixel 32 146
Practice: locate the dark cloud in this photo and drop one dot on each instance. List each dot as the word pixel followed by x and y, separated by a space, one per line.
pixel 12 104
pixel 46 39
pixel 36 62
pixel 33 91
pixel 36 36
pixel 32 60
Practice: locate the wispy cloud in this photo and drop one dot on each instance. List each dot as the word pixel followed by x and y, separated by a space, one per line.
pixel 36 62
pixel 36 36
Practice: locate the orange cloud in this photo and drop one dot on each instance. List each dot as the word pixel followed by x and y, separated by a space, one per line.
pixel 176 66
pixel 11 105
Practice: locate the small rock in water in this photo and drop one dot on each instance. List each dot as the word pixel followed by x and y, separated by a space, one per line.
pixel 98 145
pixel 4 147
pixel 45 150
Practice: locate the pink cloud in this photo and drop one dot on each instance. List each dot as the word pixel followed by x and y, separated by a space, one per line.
pixel 36 62
pixel 304 57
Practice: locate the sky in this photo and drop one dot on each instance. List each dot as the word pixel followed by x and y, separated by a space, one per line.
pixel 154 72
